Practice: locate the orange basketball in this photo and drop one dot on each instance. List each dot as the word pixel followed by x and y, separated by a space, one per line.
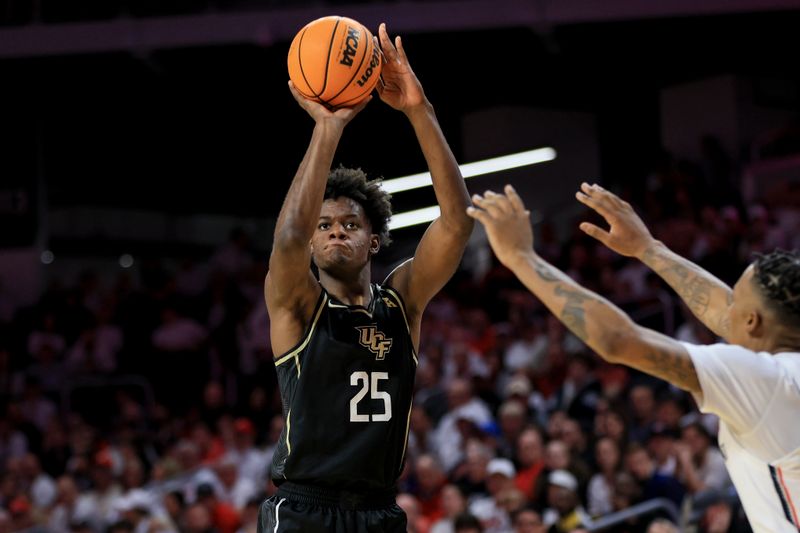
pixel 334 60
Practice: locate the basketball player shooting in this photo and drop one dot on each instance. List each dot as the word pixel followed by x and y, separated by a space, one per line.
pixel 752 384
pixel 345 347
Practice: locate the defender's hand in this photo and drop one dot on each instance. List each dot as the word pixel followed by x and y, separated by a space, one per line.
pixel 507 224
pixel 339 117
pixel 627 234
pixel 398 86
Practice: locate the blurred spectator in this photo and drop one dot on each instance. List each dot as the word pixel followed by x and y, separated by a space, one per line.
pixel 224 517
pixel 661 447
pixel 198 520
pixel 97 347
pixel 643 403
pixel 251 462
pixel 453 504
pixel 431 480
pixel 249 516
pixel 527 520
pixel 564 512
pixel 417 522
pixel 530 458
pixel 601 485
pixel 580 390
pixel 490 510
pixel 654 485
pixel 701 465
pixel 527 352
pixel 512 418
pixel 464 409
pixel 234 489
pixel 466 523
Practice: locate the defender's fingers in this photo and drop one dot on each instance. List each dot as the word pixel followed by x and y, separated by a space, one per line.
pixel 514 198
pixel 478 214
pixel 593 203
pixel 594 231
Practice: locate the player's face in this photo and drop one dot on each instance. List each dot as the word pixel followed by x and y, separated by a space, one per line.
pixel 343 240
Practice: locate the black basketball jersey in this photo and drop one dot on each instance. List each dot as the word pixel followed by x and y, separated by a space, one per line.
pixel 346 390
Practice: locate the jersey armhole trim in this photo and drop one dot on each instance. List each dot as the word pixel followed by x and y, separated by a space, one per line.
pixel 402 306
pixel 301 346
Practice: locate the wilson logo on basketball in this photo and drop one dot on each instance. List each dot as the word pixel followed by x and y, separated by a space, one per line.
pixel 374 62
pixel 375 341
pixel 350 46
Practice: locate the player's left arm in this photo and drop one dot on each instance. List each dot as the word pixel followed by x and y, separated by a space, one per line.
pixel 604 327
pixel 439 252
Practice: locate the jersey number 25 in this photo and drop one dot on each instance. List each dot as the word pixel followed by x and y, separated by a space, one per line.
pixel 369 384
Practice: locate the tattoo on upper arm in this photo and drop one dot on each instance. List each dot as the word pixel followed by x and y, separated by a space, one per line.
pixel 574 315
pixel 677 368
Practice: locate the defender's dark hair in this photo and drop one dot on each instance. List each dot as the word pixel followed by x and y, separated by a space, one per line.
pixel 353 183
pixel 777 274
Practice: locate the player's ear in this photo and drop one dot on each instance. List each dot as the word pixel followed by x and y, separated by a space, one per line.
pixel 374 244
pixel 754 325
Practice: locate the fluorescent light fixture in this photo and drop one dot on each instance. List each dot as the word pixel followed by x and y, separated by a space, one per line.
pixel 412 218
pixel 468 170
pixel 478 168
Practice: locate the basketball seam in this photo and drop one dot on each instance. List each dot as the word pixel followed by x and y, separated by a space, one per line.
pixel 355 73
pixel 328 62
pixel 358 96
pixel 300 62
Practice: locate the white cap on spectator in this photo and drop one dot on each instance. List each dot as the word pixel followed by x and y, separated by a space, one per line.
pixel 501 466
pixel 562 478
pixel 135 499
pixel 518 385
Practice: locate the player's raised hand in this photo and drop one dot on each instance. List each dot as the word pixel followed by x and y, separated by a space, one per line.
pixel 627 234
pixel 507 223
pixel 398 86
pixel 319 112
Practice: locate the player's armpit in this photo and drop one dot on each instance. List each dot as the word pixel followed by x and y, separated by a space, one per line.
pixel 435 261
pixel 658 355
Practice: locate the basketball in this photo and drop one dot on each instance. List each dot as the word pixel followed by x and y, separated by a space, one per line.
pixel 334 60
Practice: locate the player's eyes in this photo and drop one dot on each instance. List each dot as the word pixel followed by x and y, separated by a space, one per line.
pixel 352 225
pixel 323 226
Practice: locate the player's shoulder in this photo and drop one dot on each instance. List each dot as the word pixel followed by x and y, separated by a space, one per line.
pixel 734 359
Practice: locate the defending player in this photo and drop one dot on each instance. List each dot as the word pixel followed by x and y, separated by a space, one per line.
pixel 752 384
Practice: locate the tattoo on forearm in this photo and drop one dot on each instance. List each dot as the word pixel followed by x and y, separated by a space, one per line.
pixel 574 315
pixel 693 289
pixel 676 369
pixel 545 272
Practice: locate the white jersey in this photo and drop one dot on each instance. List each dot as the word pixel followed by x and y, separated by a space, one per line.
pixel 757 398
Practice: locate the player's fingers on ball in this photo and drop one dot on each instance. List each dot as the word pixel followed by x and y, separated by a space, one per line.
pixel 401 52
pixel 379 48
pixel 386 43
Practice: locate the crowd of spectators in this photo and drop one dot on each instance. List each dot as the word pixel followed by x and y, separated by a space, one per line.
pixel 149 404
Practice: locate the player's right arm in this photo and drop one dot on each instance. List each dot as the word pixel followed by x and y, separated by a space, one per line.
pixel 290 288
pixel 705 295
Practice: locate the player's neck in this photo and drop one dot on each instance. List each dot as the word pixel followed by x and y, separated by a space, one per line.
pixel 355 291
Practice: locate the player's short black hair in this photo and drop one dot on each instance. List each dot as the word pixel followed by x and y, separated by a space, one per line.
pixel 777 275
pixel 353 183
